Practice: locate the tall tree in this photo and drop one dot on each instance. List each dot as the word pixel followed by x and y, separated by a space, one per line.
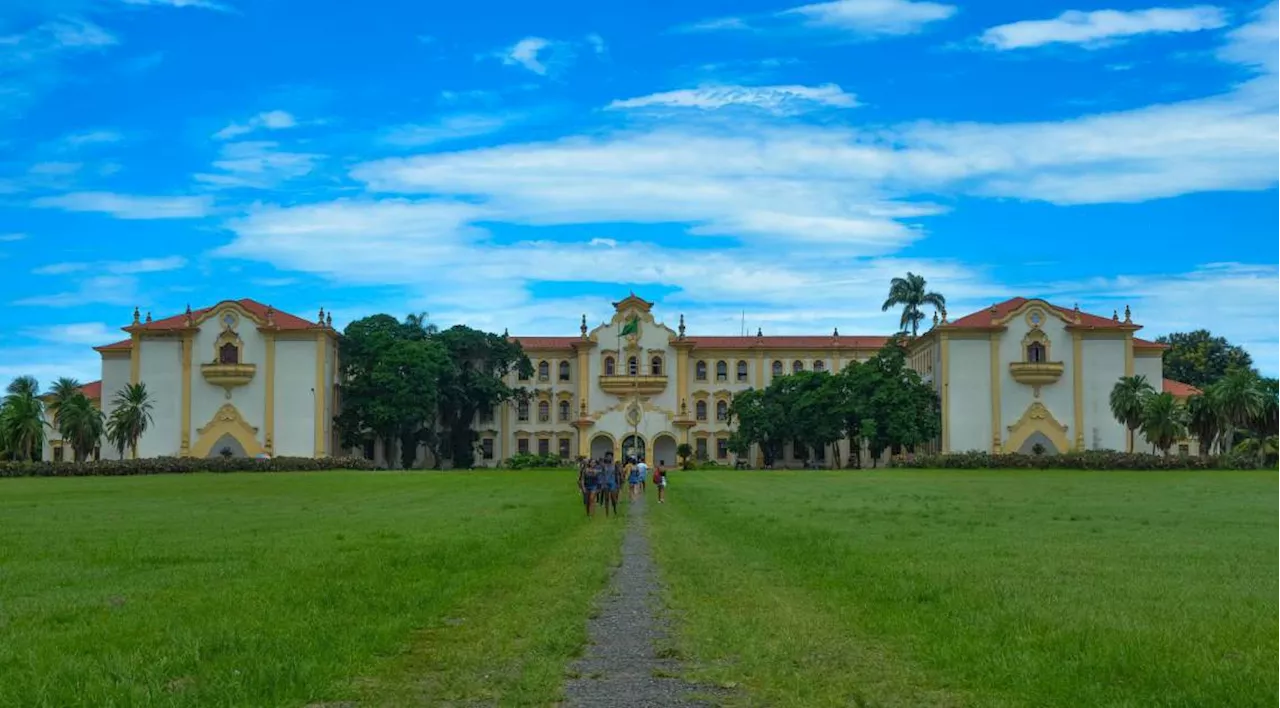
pixel 474 381
pixel 1128 401
pixel 1266 419
pixel 130 417
pixel 911 294
pixel 22 424
pixel 1200 359
pixel 1164 421
pixel 81 425
pixel 759 417
pixel 1203 421
pixel 1239 400
pixel 62 390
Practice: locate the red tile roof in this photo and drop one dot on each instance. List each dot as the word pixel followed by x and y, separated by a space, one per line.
pixel 1145 344
pixel 283 320
pixel 790 342
pixel 1179 389
pixel 123 345
pixel 545 342
pixel 988 317
pixel 93 389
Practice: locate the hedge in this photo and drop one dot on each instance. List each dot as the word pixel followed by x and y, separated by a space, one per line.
pixel 181 465
pixel 528 461
pixel 1092 460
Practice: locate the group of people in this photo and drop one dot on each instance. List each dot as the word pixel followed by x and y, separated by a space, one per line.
pixel 600 482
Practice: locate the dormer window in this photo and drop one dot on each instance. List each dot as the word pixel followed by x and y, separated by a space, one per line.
pixel 229 353
pixel 1036 353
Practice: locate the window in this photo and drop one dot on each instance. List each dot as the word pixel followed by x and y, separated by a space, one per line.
pixel 564 448
pixel 1184 450
pixel 57 453
pixel 722 371
pixel 544 371
pixel 722 448
pixel 797 366
pixel 722 410
pixel 777 368
pixel 522 411
pixel 700 410
pixel 655 366
pixel 1035 353
pixel 799 451
pixel 522 446
pixel 368 449
pixel 486 448
pixel 564 411
pixel 608 366
pixel 700 450
pixel 700 371
pixel 229 353
pixel 544 447
pixel 633 366
pixel 742 371
pixel 544 411
pixel 564 371
pixel 819 365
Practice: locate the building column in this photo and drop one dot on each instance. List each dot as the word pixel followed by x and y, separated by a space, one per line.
pixel 184 443
pixel 269 402
pixel 997 435
pixel 318 411
pixel 1077 383
pixel 944 343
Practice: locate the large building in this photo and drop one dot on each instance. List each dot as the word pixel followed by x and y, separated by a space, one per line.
pixel 244 379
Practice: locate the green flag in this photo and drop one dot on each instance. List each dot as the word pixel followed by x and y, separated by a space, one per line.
pixel 632 326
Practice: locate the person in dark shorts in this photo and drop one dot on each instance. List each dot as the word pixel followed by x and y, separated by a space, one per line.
pixel 588 484
pixel 660 480
pixel 612 485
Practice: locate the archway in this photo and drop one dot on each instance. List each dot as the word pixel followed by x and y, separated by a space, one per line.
pixel 601 446
pixel 1039 438
pixel 633 447
pixel 1038 419
pixel 226 422
pixel 229 444
pixel 664 450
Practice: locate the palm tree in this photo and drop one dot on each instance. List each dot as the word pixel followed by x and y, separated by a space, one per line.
pixel 1128 402
pixel 1239 400
pixel 63 390
pixel 1266 418
pixel 1203 421
pixel 130 416
pixel 81 425
pixel 910 293
pixel 1164 421
pixel 22 418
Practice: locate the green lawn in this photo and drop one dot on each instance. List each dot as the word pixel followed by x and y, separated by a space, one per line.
pixel 909 588
pixel 289 589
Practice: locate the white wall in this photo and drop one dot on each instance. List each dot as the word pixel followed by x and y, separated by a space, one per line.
pixel 294 405
pixel 249 399
pixel 1103 366
pixel 1153 368
pixel 115 376
pixel 1058 397
pixel 969 395
pixel 161 370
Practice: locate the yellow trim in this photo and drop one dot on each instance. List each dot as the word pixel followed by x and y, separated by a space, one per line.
pixel 995 393
pixel 1037 418
pixel 1077 382
pixel 184 441
pixel 583 374
pixel 269 402
pixel 945 343
pixel 135 358
pixel 1128 354
pixel 319 398
pixel 759 382
pixel 227 421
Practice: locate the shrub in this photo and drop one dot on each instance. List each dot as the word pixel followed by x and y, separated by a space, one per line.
pixel 181 465
pixel 1089 460
pixel 531 461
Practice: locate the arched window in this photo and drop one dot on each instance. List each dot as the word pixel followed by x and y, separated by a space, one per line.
pixel 797 366
pixel 544 371
pixel 608 366
pixel 777 368
pixel 722 410
pixel 742 371
pixel 564 371
pixel 700 410
pixel 700 371
pixel 229 353
pixel 522 411
pixel 655 366
pixel 1035 353
pixel 819 365
pixel 544 411
pixel 633 366
pixel 564 410
pixel 722 371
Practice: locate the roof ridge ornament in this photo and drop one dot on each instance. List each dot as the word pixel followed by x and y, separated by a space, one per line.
pixel 148 316
pixel 1127 318
pixel 681 330
pixel 187 319
pixel 137 316
pixel 583 327
pixel 1115 316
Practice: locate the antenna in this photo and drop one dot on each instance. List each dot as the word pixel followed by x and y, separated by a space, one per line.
pixel 743 331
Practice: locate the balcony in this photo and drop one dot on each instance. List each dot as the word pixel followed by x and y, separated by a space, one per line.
pixel 644 385
pixel 1037 373
pixel 228 376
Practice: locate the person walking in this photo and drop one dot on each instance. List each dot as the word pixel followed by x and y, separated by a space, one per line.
pixel 660 480
pixel 588 482
pixel 642 473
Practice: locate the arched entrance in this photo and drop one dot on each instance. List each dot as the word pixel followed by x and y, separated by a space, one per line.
pixel 664 450
pixel 1047 446
pixel 227 446
pixel 227 422
pixel 601 446
pixel 1039 422
pixel 633 447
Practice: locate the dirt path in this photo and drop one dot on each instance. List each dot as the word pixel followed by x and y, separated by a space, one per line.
pixel 621 667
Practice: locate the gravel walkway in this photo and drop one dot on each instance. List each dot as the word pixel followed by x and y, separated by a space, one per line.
pixel 622 668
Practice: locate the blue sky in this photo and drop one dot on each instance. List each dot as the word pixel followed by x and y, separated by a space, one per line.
pixel 516 165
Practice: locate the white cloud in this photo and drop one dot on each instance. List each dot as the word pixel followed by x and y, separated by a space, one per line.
pixel 525 53
pixel 257 164
pixel 90 334
pixel 48 362
pixel 1093 29
pixel 268 120
pixel 775 99
pixel 91 137
pixel 202 4
pixel 143 265
pixel 1254 44
pixel 452 127
pixel 126 206
pixel 12 237
pixel 121 290
pixel 596 42
pixel 54 169
pixel 77 33
pixel 874 17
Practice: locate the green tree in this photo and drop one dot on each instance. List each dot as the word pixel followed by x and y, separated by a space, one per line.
pixel 1200 359
pixel 130 417
pixel 1266 419
pixel 759 418
pixel 815 409
pixel 911 294
pixel 685 452
pixel 22 424
pixel 905 410
pixel 1128 402
pixel 1239 400
pixel 1164 421
pixel 81 425
pixel 1203 421
pixel 62 390
pixel 475 380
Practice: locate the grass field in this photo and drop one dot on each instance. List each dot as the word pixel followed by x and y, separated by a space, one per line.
pixel 905 588
pixel 290 589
